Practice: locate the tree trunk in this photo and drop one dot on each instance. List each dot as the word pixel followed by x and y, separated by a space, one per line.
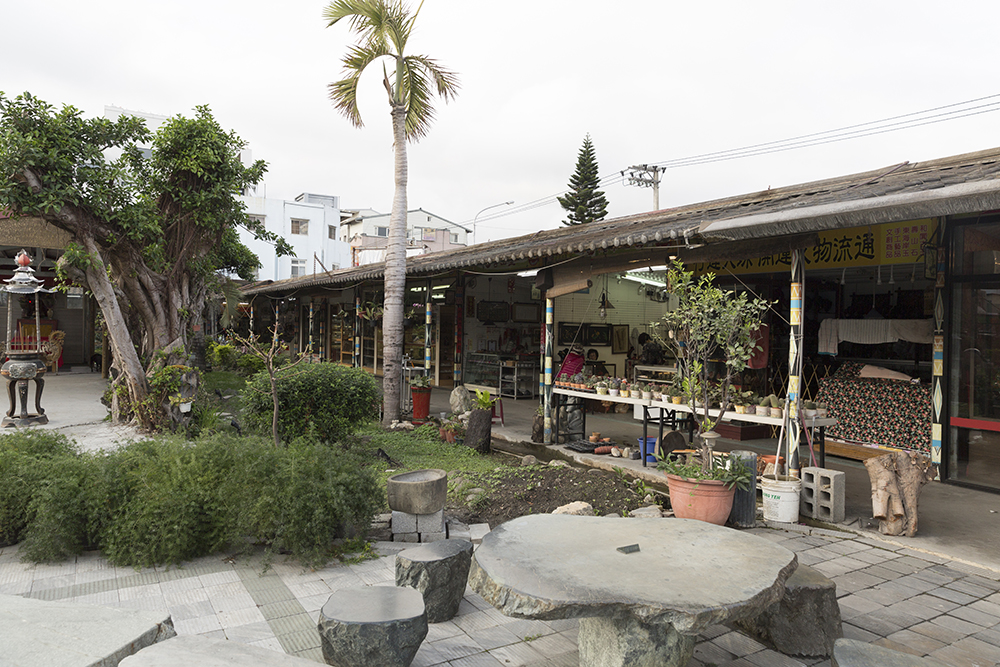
pixel 395 277
pixel 479 432
pixel 896 480
pixel 123 350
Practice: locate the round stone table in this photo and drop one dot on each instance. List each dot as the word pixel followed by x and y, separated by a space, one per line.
pixel 636 608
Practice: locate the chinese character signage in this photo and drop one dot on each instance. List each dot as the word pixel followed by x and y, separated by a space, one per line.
pixel 893 243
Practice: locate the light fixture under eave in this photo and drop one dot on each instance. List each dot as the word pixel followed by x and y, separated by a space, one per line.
pixel 605 305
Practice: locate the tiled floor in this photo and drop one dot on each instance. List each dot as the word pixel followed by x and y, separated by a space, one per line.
pixel 906 600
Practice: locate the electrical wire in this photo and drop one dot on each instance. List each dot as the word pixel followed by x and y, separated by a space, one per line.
pixel 857 131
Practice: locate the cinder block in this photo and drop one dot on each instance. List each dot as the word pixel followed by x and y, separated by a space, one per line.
pixel 406 537
pixel 432 537
pixel 823 494
pixel 431 523
pixel 403 522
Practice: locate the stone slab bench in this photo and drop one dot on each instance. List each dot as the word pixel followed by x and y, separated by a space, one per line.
pixel 805 621
pixel 195 650
pixel 440 572
pixel 375 625
pixel 37 633
pixel 852 653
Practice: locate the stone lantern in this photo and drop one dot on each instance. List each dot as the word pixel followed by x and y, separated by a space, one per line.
pixel 25 357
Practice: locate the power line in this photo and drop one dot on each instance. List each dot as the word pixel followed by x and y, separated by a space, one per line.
pixel 857 131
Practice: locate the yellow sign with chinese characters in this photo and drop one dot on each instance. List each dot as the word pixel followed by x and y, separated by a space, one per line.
pixel 891 243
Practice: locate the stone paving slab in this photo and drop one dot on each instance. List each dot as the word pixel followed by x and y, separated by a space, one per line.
pixel 932 606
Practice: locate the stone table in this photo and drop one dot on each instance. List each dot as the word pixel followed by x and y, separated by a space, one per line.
pixel 640 608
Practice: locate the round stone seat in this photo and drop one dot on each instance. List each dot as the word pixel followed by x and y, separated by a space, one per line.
pixel 439 571
pixel 374 625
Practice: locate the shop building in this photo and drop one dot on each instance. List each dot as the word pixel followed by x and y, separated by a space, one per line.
pixel 898 270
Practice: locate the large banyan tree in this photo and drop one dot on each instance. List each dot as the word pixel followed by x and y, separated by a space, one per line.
pixel 151 229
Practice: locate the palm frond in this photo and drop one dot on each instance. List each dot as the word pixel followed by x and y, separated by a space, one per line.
pixel 445 80
pixel 344 93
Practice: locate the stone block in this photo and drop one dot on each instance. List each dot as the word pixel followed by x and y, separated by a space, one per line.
pixel 854 653
pixel 805 621
pixel 418 491
pixel 404 522
pixel 577 507
pixel 433 537
pixel 406 537
pixel 204 652
pixel 439 571
pixel 375 625
pixel 478 531
pixel 823 495
pixel 431 523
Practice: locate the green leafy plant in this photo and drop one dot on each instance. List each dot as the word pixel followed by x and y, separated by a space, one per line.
pixel 732 471
pixel 483 400
pixel 422 381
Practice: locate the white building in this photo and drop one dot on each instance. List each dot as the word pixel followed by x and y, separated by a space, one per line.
pixel 310 224
pixel 367 232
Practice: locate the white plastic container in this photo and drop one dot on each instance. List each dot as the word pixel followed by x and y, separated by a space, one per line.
pixel 781 498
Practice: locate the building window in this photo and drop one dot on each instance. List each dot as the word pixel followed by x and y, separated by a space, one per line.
pixel 331 232
pixel 429 234
pixel 381 231
pixel 454 238
pixel 256 218
pixel 300 226
pixel 298 268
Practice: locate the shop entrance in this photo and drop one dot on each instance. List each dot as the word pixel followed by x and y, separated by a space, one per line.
pixel 974 358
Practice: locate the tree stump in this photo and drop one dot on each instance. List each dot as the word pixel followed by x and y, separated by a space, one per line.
pixel 896 480
pixel 479 432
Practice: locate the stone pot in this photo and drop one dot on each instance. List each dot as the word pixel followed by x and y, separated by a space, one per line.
pixel 701 499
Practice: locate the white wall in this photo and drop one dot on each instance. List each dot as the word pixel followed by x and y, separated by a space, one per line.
pixel 320 212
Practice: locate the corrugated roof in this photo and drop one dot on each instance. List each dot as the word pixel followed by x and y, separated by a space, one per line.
pixel 949 186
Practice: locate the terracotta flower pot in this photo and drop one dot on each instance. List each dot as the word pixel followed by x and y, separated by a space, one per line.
pixel 704 500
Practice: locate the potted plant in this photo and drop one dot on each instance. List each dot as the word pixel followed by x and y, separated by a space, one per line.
pixel 479 432
pixel 763 408
pixel 704 492
pixel 808 409
pixel 420 392
pixel 614 386
pixel 625 389
pixel 709 322
pixel 777 407
pixel 645 391
pixel 450 430
pixel 601 386
pixel 821 409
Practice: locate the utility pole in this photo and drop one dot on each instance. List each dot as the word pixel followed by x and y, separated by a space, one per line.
pixel 646 176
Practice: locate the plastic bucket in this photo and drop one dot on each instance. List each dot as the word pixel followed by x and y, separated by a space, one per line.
pixel 781 497
pixel 648 447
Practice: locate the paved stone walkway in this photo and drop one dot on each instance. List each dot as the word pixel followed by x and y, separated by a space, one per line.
pixel 906 600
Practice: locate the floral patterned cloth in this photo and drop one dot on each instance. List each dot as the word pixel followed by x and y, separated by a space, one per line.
pixel 877 411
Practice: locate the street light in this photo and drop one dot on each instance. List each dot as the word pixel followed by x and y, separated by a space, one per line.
pixel 503 203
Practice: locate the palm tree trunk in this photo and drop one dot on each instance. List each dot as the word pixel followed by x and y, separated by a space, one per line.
pixel 395 276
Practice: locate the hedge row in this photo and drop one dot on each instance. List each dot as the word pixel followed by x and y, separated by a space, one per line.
pixel 171 500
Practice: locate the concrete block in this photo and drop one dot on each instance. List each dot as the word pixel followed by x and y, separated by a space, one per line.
pixel 431 523
pixel 478 531
pixel 823 494
pixel 404 522
pixel 406 537
pixel 433 537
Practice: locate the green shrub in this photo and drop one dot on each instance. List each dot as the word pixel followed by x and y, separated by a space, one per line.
pixel 307 496
pixel 21 472
pixel 222 356
pixel 60 512
pixel 332 399
pixel 249 364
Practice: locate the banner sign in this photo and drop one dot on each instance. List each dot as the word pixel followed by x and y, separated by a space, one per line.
pixel 891 243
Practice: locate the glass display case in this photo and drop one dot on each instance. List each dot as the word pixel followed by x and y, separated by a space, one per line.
pixel 510 376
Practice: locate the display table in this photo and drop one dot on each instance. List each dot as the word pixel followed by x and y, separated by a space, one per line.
pixel 560 395
pixel 815 425
pixel 643 605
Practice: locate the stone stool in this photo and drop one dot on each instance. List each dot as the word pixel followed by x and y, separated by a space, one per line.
pixel 440 571
pixel 375 625
pixel 805 621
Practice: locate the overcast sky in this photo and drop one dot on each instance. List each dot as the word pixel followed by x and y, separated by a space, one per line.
pixel 651 81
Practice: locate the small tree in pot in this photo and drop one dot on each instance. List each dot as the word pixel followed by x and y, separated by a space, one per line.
pixel 708 323
pixel 479 433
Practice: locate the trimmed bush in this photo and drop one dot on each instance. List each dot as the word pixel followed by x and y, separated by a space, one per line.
pixel 22 454
pixel 331 399
pixel 171 500
pixel 222 356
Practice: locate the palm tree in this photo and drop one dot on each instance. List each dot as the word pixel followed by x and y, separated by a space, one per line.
pixel 383 28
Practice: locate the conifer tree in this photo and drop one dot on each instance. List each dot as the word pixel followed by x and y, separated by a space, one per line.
pixel 584 202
